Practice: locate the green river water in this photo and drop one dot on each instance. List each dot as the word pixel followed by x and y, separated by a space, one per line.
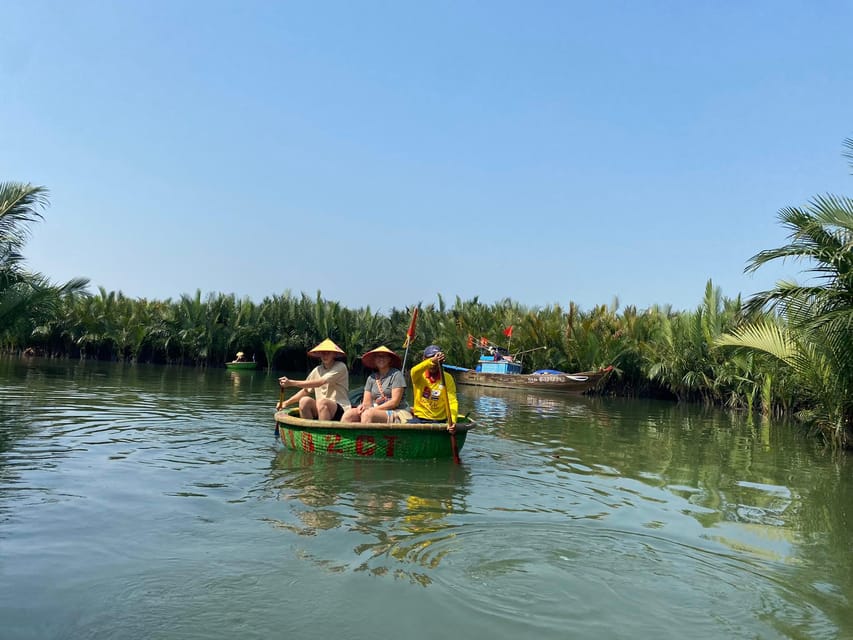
pixel 154 502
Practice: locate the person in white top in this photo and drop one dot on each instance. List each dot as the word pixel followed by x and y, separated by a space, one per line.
pixel 328 381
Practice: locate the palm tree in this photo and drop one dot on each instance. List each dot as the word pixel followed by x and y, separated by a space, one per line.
pixel 827 405
pixel 817 342
pixel 26 297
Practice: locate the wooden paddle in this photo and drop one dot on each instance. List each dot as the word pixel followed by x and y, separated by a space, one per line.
pixel 446 395
pixel 279 406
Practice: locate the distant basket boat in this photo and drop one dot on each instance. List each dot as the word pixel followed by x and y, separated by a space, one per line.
pixel 406 441
pixel 241 365
pixel 506 373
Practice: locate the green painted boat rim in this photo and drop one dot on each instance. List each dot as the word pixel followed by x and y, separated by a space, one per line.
pixel 291 417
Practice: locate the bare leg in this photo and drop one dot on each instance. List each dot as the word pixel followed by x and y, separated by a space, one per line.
pixel 308 408
pixel 351 415
pixel 326 409
pixel 374 415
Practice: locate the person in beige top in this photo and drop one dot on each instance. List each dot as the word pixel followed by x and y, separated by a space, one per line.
pixel 328 381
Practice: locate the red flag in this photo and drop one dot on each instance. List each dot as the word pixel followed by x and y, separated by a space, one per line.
pixel 508 331
pixel 470 341
pixel 410 333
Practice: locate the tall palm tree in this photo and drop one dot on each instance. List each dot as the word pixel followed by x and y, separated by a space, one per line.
pixel 817 342
pixel 25 297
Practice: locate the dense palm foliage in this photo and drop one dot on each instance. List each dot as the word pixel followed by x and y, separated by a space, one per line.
pixel 812 333
pixel 788 350
pixel 26 297
pixel 654 351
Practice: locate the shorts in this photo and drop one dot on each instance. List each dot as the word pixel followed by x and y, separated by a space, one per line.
pixel 339 413
pixel 398 416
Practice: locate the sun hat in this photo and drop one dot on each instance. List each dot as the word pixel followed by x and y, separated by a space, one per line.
pixel 327 346
pixel 368 358
pixel 240 353
pixel 431 350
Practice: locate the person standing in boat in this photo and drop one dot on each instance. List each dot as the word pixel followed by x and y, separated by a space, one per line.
pixel 241 357
pixel 383 399
pixel 429 389
pixel 328 381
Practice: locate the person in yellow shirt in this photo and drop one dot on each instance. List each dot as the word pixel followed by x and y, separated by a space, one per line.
pixel 430 403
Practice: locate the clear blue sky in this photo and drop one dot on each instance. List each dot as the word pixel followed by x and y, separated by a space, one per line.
pixel 386 152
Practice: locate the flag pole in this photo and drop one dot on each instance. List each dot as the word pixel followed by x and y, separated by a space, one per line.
pixel 410 335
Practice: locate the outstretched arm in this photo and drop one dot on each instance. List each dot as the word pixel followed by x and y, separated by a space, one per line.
pixel 284 381
pixel 296 397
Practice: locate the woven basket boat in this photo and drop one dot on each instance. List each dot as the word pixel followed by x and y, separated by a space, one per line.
pixel 243 366
pixel 407 441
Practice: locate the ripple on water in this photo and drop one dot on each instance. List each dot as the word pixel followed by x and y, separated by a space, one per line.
pixel 566 518
pixel 577 575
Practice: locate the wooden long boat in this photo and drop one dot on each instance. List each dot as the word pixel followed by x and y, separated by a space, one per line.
pixel 406 441
pixel 508 375
pixel 242 365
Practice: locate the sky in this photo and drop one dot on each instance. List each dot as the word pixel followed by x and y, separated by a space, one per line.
pixel 388 153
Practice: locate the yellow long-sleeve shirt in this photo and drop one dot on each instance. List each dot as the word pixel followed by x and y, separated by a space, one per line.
pixel 429 394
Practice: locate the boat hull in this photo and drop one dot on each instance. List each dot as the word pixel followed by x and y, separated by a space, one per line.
pixel 572 383
pixel 408 441
pixel 241 365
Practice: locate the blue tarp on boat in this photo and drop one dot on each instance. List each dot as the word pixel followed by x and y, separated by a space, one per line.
pixel 455 368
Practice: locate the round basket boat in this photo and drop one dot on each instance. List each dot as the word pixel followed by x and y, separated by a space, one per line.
pixel 407 441
pixel 241 366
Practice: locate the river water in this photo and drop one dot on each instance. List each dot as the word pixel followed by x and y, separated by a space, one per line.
pixel 154 502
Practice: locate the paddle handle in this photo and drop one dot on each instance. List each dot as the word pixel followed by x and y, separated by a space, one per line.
pixel 279 406
pixel 446 395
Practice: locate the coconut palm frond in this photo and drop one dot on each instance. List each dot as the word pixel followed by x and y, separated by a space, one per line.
pixel 762 336
pixel 20 204
pixel 75 286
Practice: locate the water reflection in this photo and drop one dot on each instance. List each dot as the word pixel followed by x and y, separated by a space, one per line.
pixel 650 465
pixel 246 377
pixel 491 408
pixel 567 513
pixel 400 511
pixel 496 404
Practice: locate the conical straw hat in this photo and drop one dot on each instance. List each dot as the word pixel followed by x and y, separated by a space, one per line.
pixel 328 346
pixel 367 358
